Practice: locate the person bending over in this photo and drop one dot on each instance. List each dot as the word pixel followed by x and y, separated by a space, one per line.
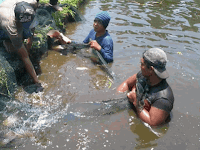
pixel 17 22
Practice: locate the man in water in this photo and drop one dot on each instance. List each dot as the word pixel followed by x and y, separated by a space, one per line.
pixel 101 39
pixel 17 22
pixel 98 38
pixel 148 90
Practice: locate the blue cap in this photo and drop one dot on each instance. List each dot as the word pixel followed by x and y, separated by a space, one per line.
pixel 104 17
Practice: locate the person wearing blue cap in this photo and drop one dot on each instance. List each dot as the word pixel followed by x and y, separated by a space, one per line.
pixel 148 90
pixel 17 22
pixel 99 38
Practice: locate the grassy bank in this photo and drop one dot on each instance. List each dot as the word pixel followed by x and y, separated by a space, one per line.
pixel 74 3
pixel 67 12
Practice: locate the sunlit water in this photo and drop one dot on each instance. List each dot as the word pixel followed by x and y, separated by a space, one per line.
pixel 70 114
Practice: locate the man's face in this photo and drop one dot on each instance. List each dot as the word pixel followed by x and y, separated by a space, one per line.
pixel 98 26
pixel 146 72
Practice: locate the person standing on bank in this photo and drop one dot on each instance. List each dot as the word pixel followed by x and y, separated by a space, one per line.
pixel 17 22
pixel 101 39
pixel 148 90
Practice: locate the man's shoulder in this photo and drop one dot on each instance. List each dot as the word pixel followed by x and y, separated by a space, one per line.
pixel 162 97
pixel 10 27
pixel 165 87
pixel 7 15
pixel 163 91
pixel 139 74
pixel 108 35
pixel 5 12
pixel 92 31
pixel 107 38
pixel 8 3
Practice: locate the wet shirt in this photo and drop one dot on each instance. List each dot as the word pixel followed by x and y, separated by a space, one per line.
pixel 159 96
pixel 106 43
pixel 9 29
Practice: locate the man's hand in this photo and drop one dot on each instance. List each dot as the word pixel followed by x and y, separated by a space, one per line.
pixel 64 39
pixel 132 96
pixel 95 45
pixel 61 38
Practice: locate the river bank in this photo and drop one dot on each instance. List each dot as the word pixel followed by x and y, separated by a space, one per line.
pixel 12 72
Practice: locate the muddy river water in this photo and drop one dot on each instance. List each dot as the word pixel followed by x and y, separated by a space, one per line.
pixel 70 114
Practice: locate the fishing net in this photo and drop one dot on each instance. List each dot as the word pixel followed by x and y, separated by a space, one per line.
pixel 49 19
pixel 46 23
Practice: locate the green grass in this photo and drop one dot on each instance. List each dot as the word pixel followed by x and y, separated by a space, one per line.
pixel 4 81
pixel 59 16
pixel 71 2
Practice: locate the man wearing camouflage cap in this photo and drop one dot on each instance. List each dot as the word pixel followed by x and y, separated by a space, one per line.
pixel 17 22
pixel 148 90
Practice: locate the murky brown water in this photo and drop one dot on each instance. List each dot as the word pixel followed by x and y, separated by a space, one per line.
pixel 63 116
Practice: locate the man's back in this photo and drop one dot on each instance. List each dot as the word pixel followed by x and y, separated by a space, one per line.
pixel 159 96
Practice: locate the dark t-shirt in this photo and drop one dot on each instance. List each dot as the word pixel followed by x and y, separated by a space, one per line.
pixel 159 96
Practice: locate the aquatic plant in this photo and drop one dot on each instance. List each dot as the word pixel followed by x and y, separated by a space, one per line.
pixel 40 37
pixel 60 16
pixel 44 1
pixel 4 82
pixel 70 2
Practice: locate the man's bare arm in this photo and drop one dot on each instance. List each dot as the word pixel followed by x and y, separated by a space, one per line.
pixel 128 84
pixel 154 117
pixel 28 65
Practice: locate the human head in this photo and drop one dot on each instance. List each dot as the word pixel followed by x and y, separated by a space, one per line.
pixel 156 58
pixel 104 17
pixel 25 14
